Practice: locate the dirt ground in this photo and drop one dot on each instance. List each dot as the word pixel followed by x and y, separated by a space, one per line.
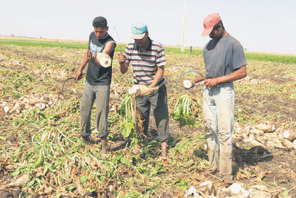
pixel 268 166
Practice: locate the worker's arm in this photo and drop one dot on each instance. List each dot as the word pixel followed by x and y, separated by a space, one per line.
pixel 236 75
pixel 158 76
pixel 198 79
pixel 82 65
pixel 122 62
pixel 109 48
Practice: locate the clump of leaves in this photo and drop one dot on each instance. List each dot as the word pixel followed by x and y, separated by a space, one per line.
pixel 183 112
pixel 130 120
pixel 126 111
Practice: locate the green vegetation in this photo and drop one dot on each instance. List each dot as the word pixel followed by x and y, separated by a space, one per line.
pixel 271 57
pixel 176 50
pixel 74 45
pixel 128 113
pixel 183 112
pixel 45 43
pixel 120 47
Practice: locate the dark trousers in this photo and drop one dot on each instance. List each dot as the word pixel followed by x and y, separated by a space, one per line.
pixel 158 103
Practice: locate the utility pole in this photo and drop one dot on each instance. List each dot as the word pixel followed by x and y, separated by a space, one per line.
pixel 118 41
pixel 116 34
pixel 183 29
pixel 1 26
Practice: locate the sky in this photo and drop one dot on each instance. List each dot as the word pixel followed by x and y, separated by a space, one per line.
pixel 259 25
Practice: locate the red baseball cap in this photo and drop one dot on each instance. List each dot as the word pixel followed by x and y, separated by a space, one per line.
pixel 209 22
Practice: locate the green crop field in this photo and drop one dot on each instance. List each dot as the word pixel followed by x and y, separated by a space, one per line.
pixel 174 50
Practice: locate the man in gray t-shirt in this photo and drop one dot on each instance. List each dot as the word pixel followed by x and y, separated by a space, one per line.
pixel 224 63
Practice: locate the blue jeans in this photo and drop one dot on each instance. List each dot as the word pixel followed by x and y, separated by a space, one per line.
pixel 100 93
pixel 218 112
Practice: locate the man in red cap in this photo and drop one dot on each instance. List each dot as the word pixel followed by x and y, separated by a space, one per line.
pixel 225 62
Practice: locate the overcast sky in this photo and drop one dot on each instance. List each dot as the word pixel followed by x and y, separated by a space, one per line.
pixel 260 25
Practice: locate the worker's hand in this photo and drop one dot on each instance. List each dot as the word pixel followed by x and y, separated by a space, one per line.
pixel 211 82
pixel 89 54
pixel 121 57
pixel 78 75
pixel 93 57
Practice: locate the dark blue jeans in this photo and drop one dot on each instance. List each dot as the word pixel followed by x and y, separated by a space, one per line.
pixel 100 94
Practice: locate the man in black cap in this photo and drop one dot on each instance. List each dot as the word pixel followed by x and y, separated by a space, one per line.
pixel 98 80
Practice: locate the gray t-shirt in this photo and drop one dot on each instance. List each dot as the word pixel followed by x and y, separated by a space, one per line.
pixel 223 57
